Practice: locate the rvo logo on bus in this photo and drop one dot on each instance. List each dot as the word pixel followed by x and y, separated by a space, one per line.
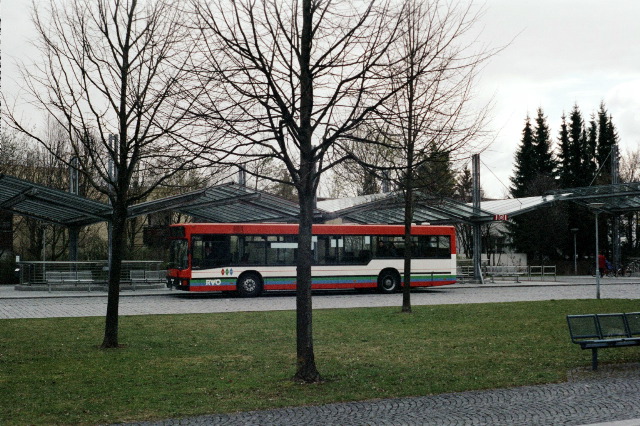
pixel 213 282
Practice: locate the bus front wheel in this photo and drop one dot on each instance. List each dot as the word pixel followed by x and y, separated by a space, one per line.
pixel 249 285
pixel 388 281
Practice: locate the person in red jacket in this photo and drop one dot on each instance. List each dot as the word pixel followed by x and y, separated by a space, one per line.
pixel 602 264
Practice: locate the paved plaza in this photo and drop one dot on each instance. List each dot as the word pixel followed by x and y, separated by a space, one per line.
pixel 609 396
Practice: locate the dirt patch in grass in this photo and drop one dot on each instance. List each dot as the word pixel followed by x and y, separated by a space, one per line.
pixel 621 371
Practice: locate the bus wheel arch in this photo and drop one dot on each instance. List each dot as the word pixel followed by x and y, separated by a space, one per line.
pixel 249 284
pixel 388 281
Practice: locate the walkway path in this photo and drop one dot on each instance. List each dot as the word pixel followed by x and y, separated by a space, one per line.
pixel 606 397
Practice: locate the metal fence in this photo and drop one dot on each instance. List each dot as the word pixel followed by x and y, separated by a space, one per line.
pixel 88 276
pixel 542 272
pixel 516 273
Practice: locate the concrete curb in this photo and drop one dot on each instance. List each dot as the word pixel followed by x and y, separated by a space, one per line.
pixel 126 290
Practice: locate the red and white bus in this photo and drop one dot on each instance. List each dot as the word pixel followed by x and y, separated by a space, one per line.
pixel 251 258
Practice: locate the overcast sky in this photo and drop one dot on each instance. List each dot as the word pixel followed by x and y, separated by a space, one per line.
pixel 560 53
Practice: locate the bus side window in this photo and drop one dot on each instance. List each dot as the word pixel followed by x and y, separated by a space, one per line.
pixel 337 248
pixel 197 252
pixel 365 256
pixel 256 248
pixel 444 246
pixel 396 247
pixel 416 247
pixel 234 249
pixel 281 249
pixel 431 247
pixel 364 249
pixel 323 249
pixel 382 249
pixel 353 244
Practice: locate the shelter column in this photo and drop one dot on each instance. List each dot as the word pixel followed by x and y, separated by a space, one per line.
pixel 477 231
pixel 74 232
pixel 74 188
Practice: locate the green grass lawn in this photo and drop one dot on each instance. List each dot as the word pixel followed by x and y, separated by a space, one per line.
pixel 52 371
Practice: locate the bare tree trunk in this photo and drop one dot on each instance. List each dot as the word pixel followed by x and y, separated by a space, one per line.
pixel 115 267
pixel 408 218
pixel 306 365
pixel 306 370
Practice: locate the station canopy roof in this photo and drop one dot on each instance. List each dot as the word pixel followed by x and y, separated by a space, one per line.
pixel 388 208
pixel 231 202
pixel 617 198
pixel 228 202
pixel 50 205
pixel 222 203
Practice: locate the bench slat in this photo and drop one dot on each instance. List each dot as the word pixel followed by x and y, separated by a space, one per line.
pixel 136 275
pixel 583 327
pixel 633 321
pixel 612 326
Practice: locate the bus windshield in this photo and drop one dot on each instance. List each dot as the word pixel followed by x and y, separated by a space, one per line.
pixel 178 254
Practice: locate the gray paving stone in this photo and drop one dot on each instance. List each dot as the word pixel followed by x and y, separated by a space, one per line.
pixel 602 399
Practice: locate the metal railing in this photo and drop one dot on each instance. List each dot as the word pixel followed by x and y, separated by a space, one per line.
pixel 464 273
pixel 542 272
pixel 89 275
pixel 517 272
pixel 512 271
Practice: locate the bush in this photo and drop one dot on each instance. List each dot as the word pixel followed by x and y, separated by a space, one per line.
pixel 7 271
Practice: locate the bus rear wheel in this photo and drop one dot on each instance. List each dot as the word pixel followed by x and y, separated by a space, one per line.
pixel 388 281
pixel 249 285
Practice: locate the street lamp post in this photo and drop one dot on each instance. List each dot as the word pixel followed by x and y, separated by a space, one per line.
pixel 575 252
pixel 596 209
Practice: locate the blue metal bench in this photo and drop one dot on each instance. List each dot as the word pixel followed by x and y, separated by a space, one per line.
pixel 600 331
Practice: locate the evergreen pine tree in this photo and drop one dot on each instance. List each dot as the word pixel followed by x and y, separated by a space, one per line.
pixel 546 165
pixel 612 134
pixel 537 235
pixel 525 163
pixel 464 193
pixel 589 166
pixel 566 174
pixel 577 144
pixel 607 138
pixel 284 188
pixel 369 184
pixel 583 169
pixel 435 174
pixel 464 186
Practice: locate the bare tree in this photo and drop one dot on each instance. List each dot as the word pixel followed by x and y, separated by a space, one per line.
pixel 364 173
pixel 464 194
pixel 630 172
pixel 114 77
pixel 429 119
pixel 26 160
pixel 296 77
